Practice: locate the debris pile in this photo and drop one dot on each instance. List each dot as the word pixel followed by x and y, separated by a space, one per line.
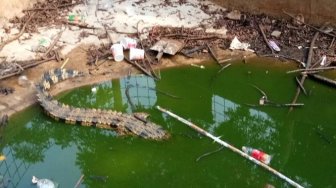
pixel 46 13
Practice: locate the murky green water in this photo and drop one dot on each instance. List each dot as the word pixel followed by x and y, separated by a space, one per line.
pixel 302 142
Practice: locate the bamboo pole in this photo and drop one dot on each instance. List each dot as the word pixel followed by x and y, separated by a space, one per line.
pixel 234 149
pixel 79 181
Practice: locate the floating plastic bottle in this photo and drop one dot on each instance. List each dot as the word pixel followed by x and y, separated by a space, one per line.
pixel 257 154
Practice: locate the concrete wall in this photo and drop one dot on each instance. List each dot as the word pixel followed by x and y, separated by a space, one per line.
pixel 314 11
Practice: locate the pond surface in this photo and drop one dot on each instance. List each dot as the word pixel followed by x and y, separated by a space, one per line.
pixel 301 142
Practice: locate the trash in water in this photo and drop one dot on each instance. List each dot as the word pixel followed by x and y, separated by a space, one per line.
pixel 274 45
pixel 257 154
pixel 237 45
pixel 43 183
pixel 136 54
pixel 199 66
pixel 117 51
pixel 2 157
pixel 94 90
pixel 128 43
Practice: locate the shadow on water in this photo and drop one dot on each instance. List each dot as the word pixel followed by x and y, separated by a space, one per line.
pixel 36 145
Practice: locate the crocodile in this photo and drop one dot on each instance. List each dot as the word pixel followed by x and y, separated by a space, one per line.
pixel 122 123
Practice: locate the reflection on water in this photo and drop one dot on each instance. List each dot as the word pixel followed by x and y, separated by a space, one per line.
pixel 35 144
pixel 249 123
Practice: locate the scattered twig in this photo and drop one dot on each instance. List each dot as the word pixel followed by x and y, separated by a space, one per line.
pixel 18 35
pixel 301 86
pixel 209 153
pixel 146 56
pixel 317 29
pixel 332 43
pixel 195 49
pixel 309 59
pixel 79 181
pixel 139 67
pixel 225 60
pixel 324 79
pixel 45 56
pixel 263 93
pixel 224 67
pixel 65 62
pixel 59 7
pixel 213 55
pixel 276 105
pixel 312 69
pixel 265 38
pixel 193 37
pixel 85 26
pixel 283 56
pixel 35 63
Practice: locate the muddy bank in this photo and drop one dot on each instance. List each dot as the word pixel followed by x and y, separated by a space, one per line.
pixel 23 97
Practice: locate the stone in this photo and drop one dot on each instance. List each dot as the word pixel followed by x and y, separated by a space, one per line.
pixel 234 15
pixel 299 20
pixel 276 33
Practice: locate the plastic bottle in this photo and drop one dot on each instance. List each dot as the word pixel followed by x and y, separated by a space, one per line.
pixel 257 154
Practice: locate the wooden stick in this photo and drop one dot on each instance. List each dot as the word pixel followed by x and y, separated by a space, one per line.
pixel 312 69
pixel 146 56
pixel 209 153
pixel 265 38
pixel 261 91
pixel 45 56
pixel 224 60
pixel 324 79
pixel 283 56
pixel 301 86
pixel 317 29
pixel 139 67
pixel 18 35
pixel 193 37
pixel 332 43
pixel 224 67
pixel 271 104
pixel 65 62
pixel 85 26
pixel 234 149
pixel 213 55
pixel 26 67
pixel 309 59
pixel 79 181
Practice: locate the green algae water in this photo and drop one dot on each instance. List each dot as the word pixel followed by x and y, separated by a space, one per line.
pixel 302 143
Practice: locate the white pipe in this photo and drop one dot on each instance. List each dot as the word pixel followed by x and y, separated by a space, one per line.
pixel 234 149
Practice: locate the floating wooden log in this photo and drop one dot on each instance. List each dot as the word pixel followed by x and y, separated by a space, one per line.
pixel 234 149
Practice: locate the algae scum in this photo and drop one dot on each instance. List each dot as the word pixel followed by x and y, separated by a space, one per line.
pixel 302 142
